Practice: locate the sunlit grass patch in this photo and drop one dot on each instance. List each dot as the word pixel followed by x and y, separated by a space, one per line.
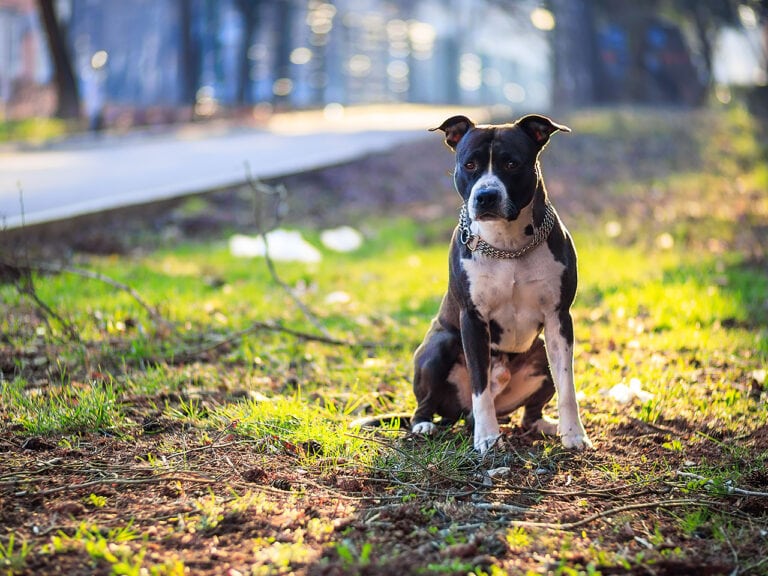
pixel 13 554
pixel 32 129
pixel 120 549
pixel 62 409
pixel 291 425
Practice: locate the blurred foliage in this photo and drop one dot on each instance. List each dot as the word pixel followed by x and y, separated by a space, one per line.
pixel 32 129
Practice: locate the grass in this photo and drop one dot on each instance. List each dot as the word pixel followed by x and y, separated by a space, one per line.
pixel 685 317
pixel 32 129
pixel 64 409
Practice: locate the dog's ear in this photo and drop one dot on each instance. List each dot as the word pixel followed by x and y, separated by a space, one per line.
pixel 455 128
pixel 540 128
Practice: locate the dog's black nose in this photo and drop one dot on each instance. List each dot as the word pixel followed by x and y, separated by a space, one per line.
pixel 487 198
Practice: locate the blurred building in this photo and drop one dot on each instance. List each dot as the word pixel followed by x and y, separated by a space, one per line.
pixel 156 54
pixel 157 60
pixel 24 65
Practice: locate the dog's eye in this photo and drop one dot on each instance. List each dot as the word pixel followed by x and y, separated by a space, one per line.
pixel 512 165
pixel 470 166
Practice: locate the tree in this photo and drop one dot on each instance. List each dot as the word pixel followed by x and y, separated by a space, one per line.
pixel 68 96
pixel 283 46
pixel 189 54
pixel 574 50
pixel 706 18
pixel 249 12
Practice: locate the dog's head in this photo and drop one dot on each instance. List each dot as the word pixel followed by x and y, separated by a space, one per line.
pixel 497 165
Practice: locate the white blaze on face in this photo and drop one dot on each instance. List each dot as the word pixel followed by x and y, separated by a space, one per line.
pixel 487 180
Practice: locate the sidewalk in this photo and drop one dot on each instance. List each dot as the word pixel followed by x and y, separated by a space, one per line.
pixel 89 174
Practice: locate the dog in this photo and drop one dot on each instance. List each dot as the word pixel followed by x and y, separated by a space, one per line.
pixel 512 277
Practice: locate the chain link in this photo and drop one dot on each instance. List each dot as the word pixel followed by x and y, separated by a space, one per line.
pixel 477 244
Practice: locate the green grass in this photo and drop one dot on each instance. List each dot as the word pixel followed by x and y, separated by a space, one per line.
pixel 658 320
pixel 689 323
pixel 32 129
pixel 62 408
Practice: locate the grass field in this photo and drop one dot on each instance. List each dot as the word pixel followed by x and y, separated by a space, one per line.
pixel 204 430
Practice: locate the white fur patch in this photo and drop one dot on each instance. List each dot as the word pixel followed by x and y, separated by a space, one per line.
pixel 424 428
pixel 560 354
pixel 486 431
pixel 487 180
pixel 516 294
pixel 544 425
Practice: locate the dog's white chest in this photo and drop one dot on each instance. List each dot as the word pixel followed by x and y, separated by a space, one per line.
pixel 515 295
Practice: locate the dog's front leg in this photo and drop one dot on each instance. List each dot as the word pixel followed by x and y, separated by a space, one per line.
pixel 558 334
pixel 476 341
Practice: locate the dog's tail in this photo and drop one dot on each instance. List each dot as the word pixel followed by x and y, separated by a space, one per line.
pixel 394 420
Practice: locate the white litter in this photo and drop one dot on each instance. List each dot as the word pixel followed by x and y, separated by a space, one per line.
pixel 284 246
pixel 338 297
pixel 498 472
pixel 342 239
pixel 623 394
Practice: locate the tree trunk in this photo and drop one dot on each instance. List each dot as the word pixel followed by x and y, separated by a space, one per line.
pixel 189 56
pixel 575 54
pixel 68 97
pixel 703 33
pixel 282 61
pixel 249 12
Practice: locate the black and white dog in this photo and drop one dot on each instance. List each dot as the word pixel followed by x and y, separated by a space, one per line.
pixel 512 276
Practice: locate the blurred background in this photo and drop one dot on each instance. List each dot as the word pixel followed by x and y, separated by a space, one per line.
pixel 121 63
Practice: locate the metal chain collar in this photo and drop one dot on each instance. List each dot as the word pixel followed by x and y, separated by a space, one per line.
pixel 477 244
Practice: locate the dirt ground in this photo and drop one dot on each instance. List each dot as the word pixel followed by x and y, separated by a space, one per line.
pixel 329 522
pixel 50 485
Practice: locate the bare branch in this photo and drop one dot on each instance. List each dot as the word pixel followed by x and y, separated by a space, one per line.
pixel 118 481
pixel 186 355
pixel 658 504
pixel 260 191
pixel 728 487
pixel 132 292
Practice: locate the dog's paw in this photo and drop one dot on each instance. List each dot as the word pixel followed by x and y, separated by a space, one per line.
pixel 424 428
pixel 576 440
pixel 486 432
pixel 543 425
pixel 485 443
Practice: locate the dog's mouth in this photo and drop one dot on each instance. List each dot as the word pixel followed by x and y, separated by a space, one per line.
pixel 487 215
pixel 510 214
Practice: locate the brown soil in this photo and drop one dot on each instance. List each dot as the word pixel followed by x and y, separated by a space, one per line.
pixel 46 487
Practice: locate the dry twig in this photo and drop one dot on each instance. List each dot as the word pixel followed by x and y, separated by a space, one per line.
pixel 26 270
pixel 117 481
pixel 730 489
pixel 260 192
pixel 658 504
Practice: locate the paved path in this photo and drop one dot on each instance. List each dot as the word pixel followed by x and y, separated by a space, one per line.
pixel 89 175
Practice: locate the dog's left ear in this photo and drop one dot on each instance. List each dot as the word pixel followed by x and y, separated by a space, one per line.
pixel 455 128
pixel 540 128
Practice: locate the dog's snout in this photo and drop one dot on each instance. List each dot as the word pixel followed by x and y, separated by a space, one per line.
pixel 487 198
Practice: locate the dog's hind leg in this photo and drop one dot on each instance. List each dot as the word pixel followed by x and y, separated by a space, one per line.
pixel 529 384
pixel 533 419
pixel 433 362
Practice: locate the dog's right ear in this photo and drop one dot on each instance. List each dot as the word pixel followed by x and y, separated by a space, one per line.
pixel 455 128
